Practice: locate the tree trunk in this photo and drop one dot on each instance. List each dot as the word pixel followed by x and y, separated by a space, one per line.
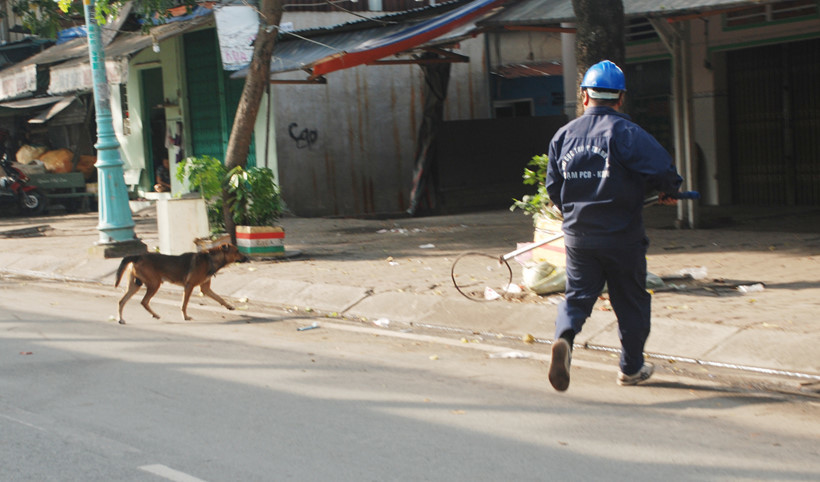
pixel 270 13
pixel 599 36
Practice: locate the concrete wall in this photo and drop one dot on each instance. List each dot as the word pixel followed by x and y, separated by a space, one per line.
pixel 264 133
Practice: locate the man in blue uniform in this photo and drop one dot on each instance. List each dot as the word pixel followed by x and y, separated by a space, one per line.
pixel 601 165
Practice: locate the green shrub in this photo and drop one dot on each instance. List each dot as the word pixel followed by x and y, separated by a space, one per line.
pixel 256 200
pixel 253 191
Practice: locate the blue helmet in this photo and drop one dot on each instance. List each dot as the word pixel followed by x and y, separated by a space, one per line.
pixel 604 75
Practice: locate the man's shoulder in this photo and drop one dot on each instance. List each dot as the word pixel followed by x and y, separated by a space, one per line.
pixel 580 122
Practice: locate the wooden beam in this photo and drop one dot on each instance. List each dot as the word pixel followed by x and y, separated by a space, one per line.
pixel 447 57
pixel 416 62
pixel 309 80
pixel 533 28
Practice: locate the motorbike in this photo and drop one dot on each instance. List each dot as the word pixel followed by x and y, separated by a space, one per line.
pixel 15 190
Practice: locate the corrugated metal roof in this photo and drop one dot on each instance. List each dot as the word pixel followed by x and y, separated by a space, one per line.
pixel 32 103
pixel 70 50
pixel 411 15
pixel 299 49
pixel 547 12
pixel 125 43
pixel 67 60
pixel 74 75
pixel 533 12
pixel 309 48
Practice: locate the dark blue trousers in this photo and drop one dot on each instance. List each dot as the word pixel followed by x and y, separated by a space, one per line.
pixel 623 269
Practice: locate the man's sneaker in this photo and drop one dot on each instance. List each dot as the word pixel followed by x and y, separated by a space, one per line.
pixel 559 365
pixel 643 374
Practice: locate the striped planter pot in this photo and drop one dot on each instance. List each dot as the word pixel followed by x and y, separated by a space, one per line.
pixel 261 241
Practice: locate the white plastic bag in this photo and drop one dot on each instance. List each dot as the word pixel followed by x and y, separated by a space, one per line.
pixel 544 278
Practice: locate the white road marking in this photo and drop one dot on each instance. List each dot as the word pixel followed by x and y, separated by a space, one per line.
pixel 21 422
pixel 169 473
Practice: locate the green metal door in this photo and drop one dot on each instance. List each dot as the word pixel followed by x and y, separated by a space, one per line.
pixel 212 97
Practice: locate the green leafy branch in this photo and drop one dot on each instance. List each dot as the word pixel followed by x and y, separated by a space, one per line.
pixel 205 174
pixel 538 204
pixel 45 18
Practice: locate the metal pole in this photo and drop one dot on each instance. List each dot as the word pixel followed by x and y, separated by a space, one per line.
pixel 688 122
pixel 672 40
pixel 116 224
pixel 570 72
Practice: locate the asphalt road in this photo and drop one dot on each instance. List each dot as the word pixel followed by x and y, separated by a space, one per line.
pixel 245 395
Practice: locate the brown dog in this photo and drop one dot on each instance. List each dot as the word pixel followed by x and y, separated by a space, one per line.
pixel 188 270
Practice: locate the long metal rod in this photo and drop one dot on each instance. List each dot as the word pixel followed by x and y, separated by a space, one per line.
pixel 513 254
pixel 686 195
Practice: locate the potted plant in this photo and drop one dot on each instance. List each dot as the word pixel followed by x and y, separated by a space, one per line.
pixel 546 217
pixel 256 208
pixel 206 175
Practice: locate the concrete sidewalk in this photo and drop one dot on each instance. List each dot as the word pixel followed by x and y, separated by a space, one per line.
pixel 398 272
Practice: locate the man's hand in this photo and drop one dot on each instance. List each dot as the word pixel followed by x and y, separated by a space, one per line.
pixel 665 199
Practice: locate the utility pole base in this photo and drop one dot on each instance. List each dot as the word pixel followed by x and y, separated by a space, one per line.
pixel 118 249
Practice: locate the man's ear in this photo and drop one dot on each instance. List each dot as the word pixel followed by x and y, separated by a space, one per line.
pixel 586 97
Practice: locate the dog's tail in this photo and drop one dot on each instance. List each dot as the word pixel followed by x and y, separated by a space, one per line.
pixel 125 262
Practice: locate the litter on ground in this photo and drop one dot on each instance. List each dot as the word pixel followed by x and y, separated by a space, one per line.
pixel 757 287
pixel 510 354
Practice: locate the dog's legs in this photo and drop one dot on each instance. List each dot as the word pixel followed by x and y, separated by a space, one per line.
pixel 133 287
pixel 151 291
pixel 205 287
pixel 186 295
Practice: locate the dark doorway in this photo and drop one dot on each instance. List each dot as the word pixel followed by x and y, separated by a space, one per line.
pixel 153 121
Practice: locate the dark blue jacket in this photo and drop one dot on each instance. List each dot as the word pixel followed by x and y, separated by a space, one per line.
pixel 600 167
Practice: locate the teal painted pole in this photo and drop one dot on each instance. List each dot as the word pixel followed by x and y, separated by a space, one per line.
pixel 116 224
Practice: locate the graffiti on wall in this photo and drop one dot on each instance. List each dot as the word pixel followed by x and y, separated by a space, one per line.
pixel 304 138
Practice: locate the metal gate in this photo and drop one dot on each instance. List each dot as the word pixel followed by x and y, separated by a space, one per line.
pixel 774 110
pixel 649 99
